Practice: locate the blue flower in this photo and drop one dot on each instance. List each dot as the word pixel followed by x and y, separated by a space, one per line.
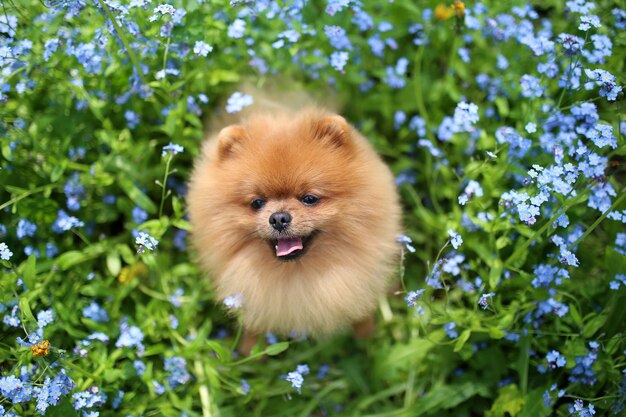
pixel 395 75
pixel 245 387
pixel 234 302
pixel 145 241
pixel 620 279
pixel 117 400
pixel 15 390
pixel 606 81
pixel 12 319
pixel 555 359
pixel 93 397
pixel 5 252
pixel 531 127
pixel 95 313
pixel 583 372
pixel 139 215
pixel 620 18
pixel 362 20
pixel 449 328
pixel 483 301
pixel 130 336
pixel 139 366
pixel 161 10
pixel 502 63
pixel 45 317
pixel 176 367
pixel 201 48
pixel 406 241
pixel 338 60
pixel 472 188
pixel 531 88
pixel 175 298
pixel 602 135
pixel 296 380
pixel 399 118
pixel 25 228
pixel 455 239
pixel 64 222
pixel 335 6
pixel 322 372
pixel 586 22
pixel 236 29
pixel 303 369
pixel 52 390
pixel 413 296
pixel 465 116
pixel 132 119
pixel 158 387
pixel 337 37
pixel 620 243
pixel 464 54
pixel 580 6
pixel 580 409
pixel 171 149
pixel 237 101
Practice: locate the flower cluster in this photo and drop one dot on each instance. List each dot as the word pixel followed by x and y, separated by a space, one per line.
pixel 296 378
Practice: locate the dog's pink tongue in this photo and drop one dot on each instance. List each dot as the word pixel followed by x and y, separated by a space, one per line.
pixel 287 246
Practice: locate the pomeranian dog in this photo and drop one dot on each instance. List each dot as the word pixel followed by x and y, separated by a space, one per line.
pixel 294 213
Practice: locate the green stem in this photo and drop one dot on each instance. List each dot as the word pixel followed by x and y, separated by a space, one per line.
pixel 124 39
pixel 203 389
pixel 597 222
pixel 24 195
pixel 167 49
pixel 163 185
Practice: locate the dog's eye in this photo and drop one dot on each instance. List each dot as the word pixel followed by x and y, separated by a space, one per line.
pixel 257 203
pixel 309 200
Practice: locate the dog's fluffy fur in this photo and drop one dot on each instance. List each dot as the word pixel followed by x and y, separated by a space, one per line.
pixel 349 235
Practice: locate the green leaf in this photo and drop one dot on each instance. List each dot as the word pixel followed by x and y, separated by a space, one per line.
pixel 114 263
pixel 496 333
pixel 25 309
pixel 522 363
pixel 222 353
pixel 509 402
pixel 29 271
pixel 503 106
pixel 533 406
pixel 136 195
pixel 575 314
pixel 57 171
pixel 595 324
pixel 445 397
pixel 71 258
pixel 502 242
pixel 462 339
pixel 275 349
pixel 495 273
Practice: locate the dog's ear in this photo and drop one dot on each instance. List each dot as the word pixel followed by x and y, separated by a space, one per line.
pixel 334 129
pixel 229 139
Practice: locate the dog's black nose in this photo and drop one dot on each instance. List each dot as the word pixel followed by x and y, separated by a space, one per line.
pixel 280 220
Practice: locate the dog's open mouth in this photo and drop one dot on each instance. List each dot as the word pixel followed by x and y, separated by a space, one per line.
pixel 291 248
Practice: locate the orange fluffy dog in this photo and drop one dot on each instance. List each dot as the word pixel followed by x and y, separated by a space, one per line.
pixel 295 213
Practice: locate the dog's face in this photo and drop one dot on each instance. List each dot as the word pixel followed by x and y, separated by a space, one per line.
pixel 289 182
pixel 297 213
